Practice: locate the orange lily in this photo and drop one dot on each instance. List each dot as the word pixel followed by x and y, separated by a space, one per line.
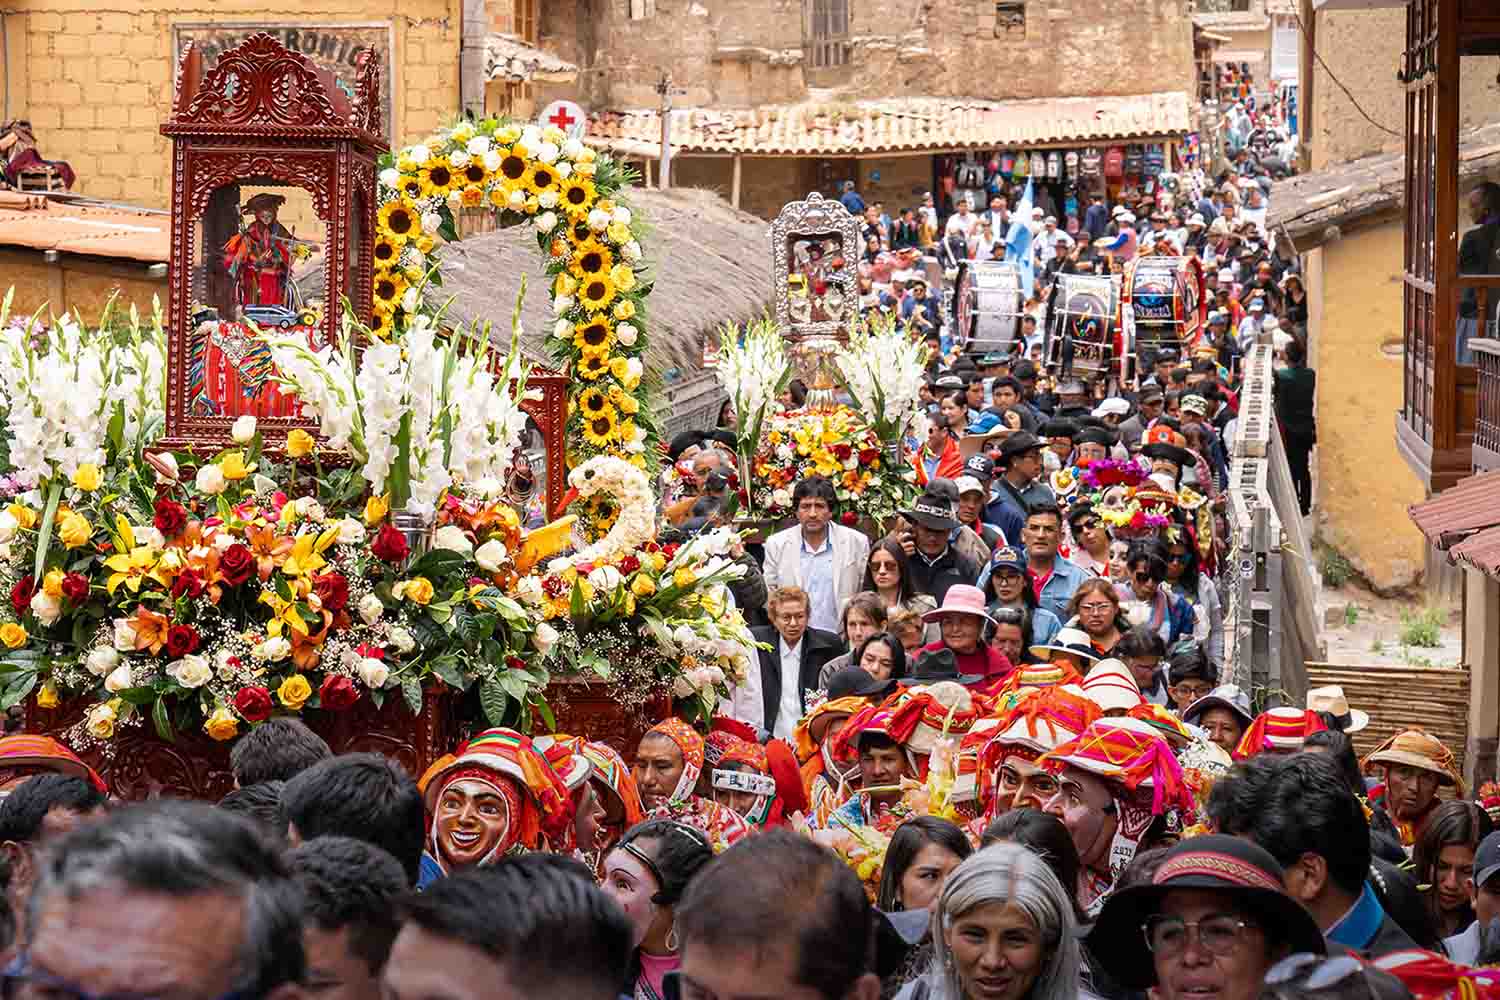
pixel 150 630
pixel 270 550
pixel 306 646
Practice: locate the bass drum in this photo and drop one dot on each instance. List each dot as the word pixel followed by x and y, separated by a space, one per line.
pixel 1081 330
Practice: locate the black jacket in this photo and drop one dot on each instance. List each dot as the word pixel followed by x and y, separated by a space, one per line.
pixel 818 647
pixel 935 578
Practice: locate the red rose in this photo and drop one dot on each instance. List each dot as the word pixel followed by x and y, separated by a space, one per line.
pixel 515 663
pixel 182 640
pixel 188 583
pixel 75 587
pixel 390 545
pixel 170 518
pixel 629 565
pixel 333 590
pixel 22 593
pixel 669 550
pixel 253 704
pixel 552 586
pixel 849 518
pixel 337 693
pixel 236 564
pixel 842 452
pixel 867 456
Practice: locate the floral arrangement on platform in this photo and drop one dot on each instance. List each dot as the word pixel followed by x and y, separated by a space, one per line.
pixel 589 242
pixel 838 445
pixel 881 368
pixel 753 367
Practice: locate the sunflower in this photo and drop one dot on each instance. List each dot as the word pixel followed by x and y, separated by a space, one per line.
pixel 600 429
pixel 591 258
pixel 400 220
pixel 541 177
pixel 581 231
pixel 474 174
pixel 380 324
pixel 592 402
pixel 410 187
pixel 512 166
pixel 387 251
pixel 437 178
pixel 596 292
pixel 593 366
pixel 577 195
pixel 594 337
pixel 389 287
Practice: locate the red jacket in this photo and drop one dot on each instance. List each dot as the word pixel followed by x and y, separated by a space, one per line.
pixel 950 463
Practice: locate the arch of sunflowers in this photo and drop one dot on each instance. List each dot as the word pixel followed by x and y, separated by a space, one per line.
pixel 589 243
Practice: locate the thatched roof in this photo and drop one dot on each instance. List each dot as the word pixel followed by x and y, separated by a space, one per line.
pixel 711 264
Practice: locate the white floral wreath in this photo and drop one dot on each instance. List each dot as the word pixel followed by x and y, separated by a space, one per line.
pixel 636 523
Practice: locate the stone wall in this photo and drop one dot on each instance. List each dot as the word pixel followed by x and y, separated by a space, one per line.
pixel 747 52
pixel 74 282
pixel 98 83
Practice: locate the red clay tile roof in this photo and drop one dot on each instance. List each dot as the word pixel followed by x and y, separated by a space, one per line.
pixel 80 228
pixel 906 125
pixel 1464 520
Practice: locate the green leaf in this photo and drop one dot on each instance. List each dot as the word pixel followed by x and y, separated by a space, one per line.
pixel 545 711
pixel 378 697
pixel 576 604
pixel 494 700
pixel 44 533
pixel 438 563
pixel 411 690
pixel 284 588
pixel 399 480
pixel 439 613
pixel 163 724
pixel 138 695
pixel 515 683
pixel 115 432
pixel 446 667
pixel 17 690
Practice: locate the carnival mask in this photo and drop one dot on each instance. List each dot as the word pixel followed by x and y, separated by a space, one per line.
pixel 472 822
pixel 1023 785
pixel 1086 807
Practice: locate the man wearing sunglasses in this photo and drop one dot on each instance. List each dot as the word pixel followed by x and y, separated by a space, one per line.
pixel 1212 922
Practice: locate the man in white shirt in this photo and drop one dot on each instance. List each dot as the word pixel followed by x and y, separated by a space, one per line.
pixel 963 222
pixel 1051 241
pixel 824 559
pixel 790 668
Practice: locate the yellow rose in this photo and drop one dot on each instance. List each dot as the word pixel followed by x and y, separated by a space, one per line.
pixel 376 508
pixel 418 590
pixel 642 585
pixel 233 466
pixel 624 309
pixel 565 284
pixel 74 530
pixel 619 232
pixel 658 561
pixel 623 277
pixel 222 725
pixel 300 444
pixel 101 721
pixel 684 576
pixel 52 583
pixel 584 168
pixel 24 515
pixel 88 477
pixel 47 697
pixel 294 692
pixel 13 635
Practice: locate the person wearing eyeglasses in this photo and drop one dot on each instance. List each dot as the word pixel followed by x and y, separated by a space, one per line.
pixel 1212 921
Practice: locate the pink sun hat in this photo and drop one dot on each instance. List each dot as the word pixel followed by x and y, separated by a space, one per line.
pixel 961 599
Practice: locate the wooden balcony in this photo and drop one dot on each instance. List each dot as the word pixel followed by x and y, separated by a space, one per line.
pixel 1487 417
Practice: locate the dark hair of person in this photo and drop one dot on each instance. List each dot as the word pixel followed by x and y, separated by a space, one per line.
pixel 814 488
pixel 362 795
pixel 539 920
pixel 276 750
pixel 1401 898
pixel 1028 599
pixel 1293 806
pixel 260 803
pixel 1007 382
pixel 677 852
pixel 1140 641
pixel 867 603
pixel 348 883
pixel 1152 553
pixel 898 653
pixel 1043 507
pixel 903 569
pixel 1190 569
pixel 1099 585
pixel 1295 353
pixel 707 506
pixel 22 811
pixel 1455 823
pixel 1142 868
pixel 1044 835
pixel 1205 366
pixel 181 849
pixel 906 843
pixel 725 409
pixel 1189 661
pixel 797 389
pixel 1340 748
pixel 780 888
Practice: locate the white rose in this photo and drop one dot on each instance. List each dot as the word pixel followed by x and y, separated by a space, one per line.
pixel 598 220
pixel 276 648
pixel 124 635
pixel 547 199
pixel 631 251
pixel 479 145
pixel 547 152
pixel 491 161
pixel 562 304
pixel 47 608
pixel 211 480
pixel 491 555
pixel 684 635
pixel 452 538
pixel 634 367
pixel 224 664
pixel 517 199
pixel 572 149
pixel 781 498
pixel 546 222
pixel 390 177
pixel 458 160
pixel 545 637
pixel 557 565
pixel 8 526
pixel 373 672
pixel 402 640
pixel 149 536
pixel 489 487
pixel 223 540
pixel 118 680
pixel 263 484
pixel 311 509
pixel 351 532
pixel 625 333
pixel 562 329
pixel 192 671
pixel 243 430
pixel 168 471
pixel 622 215
pixel 530 590
pixel 417 154
pixel 606 579
pixel 370 609
pixel 682 687
pixel 102 659
pixel 564 170
pixel 531 136
pixel 431 222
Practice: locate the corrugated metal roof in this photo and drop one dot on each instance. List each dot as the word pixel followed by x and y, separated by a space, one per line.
pixel 85 229
pixel 906 125
pixel 1454 515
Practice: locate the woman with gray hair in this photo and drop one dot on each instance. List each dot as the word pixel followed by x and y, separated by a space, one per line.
pixel 1003 929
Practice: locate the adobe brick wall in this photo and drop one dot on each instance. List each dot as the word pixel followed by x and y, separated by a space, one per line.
pixel 900 47
pixel 98 80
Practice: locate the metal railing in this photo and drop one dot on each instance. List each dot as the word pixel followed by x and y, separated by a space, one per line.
pixel 1487 412
pixel 1271 614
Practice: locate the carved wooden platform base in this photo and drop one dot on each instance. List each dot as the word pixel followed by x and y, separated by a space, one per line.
pixel 587 708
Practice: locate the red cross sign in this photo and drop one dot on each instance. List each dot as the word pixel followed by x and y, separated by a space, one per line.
pixel 565 115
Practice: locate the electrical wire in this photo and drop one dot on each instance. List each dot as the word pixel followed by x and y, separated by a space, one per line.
pixel 1313 49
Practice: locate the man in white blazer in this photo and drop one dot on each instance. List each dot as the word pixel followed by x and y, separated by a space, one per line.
pixel 826 560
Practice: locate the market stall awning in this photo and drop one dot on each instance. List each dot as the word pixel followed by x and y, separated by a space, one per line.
pixel 509 58
pixel 895 127
pixel 1464 521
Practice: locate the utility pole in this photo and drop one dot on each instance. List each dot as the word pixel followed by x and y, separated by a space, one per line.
pixel 665 89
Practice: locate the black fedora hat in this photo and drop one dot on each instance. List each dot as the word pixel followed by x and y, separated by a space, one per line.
pixel 1180 457
pixel 1240 869
pixel 1019 443
pixel 932 510
pixel 937 665
pixel 856 682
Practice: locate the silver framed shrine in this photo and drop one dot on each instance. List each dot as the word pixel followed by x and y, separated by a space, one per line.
pixel 815 252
